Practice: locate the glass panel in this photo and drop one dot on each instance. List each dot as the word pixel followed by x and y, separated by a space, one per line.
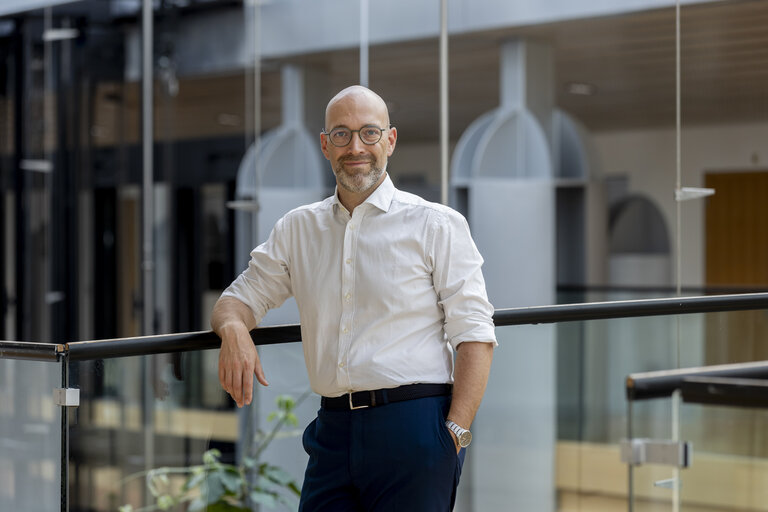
pixel 30 436
pixel 125 430
pixel 546 437
pixel 593 360
pixel 730 458
pixel 728 448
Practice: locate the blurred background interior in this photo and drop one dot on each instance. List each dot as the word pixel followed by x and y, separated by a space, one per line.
pixel 132 190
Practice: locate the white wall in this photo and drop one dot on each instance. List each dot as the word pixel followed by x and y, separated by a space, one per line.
pixel 648 158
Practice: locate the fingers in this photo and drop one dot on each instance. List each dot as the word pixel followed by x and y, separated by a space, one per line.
pixel 236 372
pixel 246 385
pixel 259 372
pixel 455 441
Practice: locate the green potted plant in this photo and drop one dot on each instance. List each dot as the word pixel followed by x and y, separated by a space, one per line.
pixel 215 486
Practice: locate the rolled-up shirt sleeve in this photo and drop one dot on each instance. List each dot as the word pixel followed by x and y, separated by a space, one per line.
pixel 266 283
pixel 458 280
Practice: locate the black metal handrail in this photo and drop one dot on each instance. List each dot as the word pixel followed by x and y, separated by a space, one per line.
pixel 630 308
pixel 661 384
pixel 202 340
pixel 166 343
pixel 30 350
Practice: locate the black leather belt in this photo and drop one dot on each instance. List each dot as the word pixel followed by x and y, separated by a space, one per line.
pixel 374 398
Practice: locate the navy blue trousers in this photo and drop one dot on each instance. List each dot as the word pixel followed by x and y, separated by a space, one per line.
pixel 396 457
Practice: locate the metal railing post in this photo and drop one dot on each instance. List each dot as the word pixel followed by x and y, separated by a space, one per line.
pixel 64 437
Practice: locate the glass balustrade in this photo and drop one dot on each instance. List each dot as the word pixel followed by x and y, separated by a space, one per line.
pixel 30 428
pixel 547 436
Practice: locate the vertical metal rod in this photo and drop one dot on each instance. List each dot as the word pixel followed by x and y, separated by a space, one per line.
pixel 256 100
pixel 678 157
pixel 47 178
pixel 21 56
pixel 64 486
pixel 444 101
pixel 147 140
pixel 253 78
pixel 630 470
pixel 3 288
pixel 676 437
pixel 364 41
pixel 247 417
pixel 147 265
pixel 679 183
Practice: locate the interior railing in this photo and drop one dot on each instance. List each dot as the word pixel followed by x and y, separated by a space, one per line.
pixel 701 401
pixel 116 433
pixel 203 340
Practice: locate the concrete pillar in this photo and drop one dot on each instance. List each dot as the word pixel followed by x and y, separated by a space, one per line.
pixel 511 211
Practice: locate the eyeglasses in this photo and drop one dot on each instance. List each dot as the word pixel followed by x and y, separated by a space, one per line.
pixel 369 134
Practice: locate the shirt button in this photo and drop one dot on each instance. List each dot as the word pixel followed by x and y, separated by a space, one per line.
pixel 351 226
pixel 348 296
pixel 346 330
pixel 341 365
pixel 349 260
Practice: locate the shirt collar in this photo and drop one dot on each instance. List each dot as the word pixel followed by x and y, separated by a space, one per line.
pixel 381 198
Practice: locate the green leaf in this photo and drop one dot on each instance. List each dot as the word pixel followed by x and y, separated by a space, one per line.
pixel 291 503
pixel 278 475
pixel 267 499
pixel 232 479
pixel 214 488
pixel 195 480
pixel 285 403
pixel 197 505
pixel 223 506
pixel 271 416
pixel 294 488
pixel 165 502
pixel 212 456
pixel 126 508
pixel 250 462
pixel 291 419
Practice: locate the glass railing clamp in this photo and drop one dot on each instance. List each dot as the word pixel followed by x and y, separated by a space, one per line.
pixel 656 451
pixel 66 397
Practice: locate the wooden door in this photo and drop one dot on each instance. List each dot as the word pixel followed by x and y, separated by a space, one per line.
pixel 736 256
pixel 737 229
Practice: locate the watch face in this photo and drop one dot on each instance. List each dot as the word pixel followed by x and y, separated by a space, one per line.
pixel 465 438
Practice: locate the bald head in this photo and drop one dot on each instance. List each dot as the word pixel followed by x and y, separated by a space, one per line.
pixel 359 164
pixel 356 96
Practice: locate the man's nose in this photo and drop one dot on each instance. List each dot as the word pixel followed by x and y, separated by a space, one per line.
pixel 356 145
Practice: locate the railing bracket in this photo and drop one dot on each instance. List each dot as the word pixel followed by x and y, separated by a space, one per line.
pixel 667 483
pixel 66 397
pixel 656 451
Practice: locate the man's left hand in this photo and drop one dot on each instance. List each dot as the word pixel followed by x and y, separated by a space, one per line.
pixel 455 440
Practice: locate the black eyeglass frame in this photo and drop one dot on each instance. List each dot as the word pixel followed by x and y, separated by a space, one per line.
pixel 351 133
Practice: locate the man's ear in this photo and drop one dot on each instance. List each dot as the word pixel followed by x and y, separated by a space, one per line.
pixel 324 145
pixel 392 139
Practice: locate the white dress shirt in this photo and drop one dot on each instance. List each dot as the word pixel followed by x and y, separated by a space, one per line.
pixel 383 294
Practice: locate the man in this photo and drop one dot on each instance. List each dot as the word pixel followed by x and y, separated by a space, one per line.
pixel 386 284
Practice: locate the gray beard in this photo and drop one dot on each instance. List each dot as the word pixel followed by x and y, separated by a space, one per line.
pixel 358 183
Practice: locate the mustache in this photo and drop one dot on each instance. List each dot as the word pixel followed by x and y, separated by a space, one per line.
pixel 357 158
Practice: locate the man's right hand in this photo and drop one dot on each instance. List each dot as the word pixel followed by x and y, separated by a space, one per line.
pixel 238 359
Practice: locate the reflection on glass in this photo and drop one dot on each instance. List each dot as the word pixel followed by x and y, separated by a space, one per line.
pixel 30 433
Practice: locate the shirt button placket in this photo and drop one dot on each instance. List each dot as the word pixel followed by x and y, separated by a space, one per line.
pixel 347 307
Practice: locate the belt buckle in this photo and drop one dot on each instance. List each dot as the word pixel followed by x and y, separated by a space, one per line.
pixel 352 406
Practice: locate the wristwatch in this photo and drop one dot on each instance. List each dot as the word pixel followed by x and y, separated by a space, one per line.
pixel 463 435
